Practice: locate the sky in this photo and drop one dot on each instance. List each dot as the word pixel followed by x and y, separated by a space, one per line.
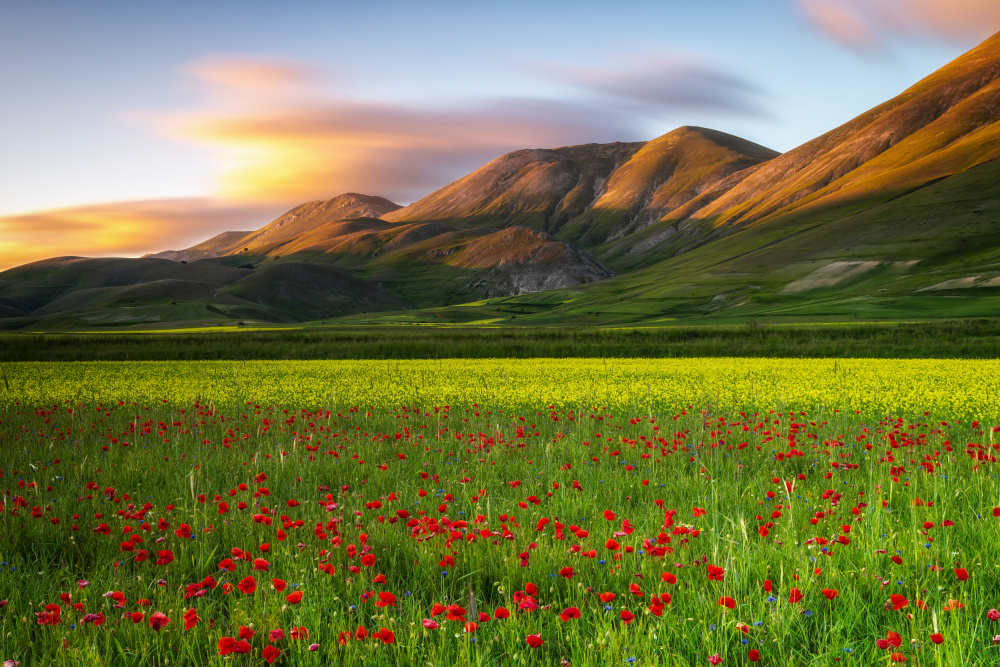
pixel 134 127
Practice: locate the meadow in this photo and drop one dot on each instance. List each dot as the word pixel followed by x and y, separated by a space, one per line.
pixel 492 512
pixel 933 339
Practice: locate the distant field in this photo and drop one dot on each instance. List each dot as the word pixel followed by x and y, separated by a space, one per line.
pixel 955 389
pixel 954 339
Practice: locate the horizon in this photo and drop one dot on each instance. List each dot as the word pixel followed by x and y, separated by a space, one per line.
pixel 189 138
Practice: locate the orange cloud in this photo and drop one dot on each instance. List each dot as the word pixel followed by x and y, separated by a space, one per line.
pixel 863 24
pixel 282 135
pixel 121 228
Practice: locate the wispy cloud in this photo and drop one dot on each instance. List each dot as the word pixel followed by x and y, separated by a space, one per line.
pixel 656 84
pixel 121 228
pixel 285 133
pixel 863 25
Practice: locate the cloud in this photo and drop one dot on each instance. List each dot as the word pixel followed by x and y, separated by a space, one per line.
pixel 283 134
pixel 121 228
pixel 862 25
pixel 658 83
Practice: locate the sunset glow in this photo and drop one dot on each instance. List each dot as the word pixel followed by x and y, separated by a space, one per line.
pixel 171 140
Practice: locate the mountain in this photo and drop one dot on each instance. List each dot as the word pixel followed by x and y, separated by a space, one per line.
pixel 301 219
pixel 594 194
pixel 894 214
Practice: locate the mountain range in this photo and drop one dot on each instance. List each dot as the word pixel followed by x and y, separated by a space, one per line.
pixel 893 215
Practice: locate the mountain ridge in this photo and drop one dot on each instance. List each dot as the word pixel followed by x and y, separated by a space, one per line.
pixel 894 212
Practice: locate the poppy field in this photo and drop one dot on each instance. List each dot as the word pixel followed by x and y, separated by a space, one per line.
pixel 541 512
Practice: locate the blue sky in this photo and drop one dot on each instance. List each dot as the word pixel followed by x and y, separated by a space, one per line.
pixel 221 114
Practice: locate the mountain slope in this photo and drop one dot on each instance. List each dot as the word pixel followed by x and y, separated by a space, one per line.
pixel 291 225
pixel 592 194
pixel 942 125
pixel 539 188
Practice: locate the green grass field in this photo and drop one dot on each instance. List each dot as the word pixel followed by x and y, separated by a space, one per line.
pixel 947 339
pixel 590 512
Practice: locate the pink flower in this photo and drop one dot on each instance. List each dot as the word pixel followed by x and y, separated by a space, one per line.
pixel 993 615
pixel 430 625
pixel 715 659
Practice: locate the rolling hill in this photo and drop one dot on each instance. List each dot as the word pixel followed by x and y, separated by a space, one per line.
pixel 894 214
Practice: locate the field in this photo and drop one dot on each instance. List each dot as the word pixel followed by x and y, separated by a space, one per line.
pixel 494 512
pixel 943 339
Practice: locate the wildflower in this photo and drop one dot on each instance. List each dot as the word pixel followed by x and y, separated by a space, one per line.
pixel 569 613
pixel 271 653
pixel 158 620
pixel 534 641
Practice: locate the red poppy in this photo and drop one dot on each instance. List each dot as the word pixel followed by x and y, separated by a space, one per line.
pixel 715 573
pixel 368 560
pixel 937 638
pixel 898 601
pixel 568 613
pixel 191 619
pixel 455 613
pixel 246 633
pixel 430 625
pixel 361 632
pixel 276 635
pixel 768 586
pixel 609 515
pixel 138 617
pixel 668 577
pixel 271 653
pixel 260 564
pixel 830 593
pixel 566 572
pixel 626 616
pixel 753 655
pixel 607 597
pixel 470 627
pixel 279 584
pixel 727 602
pixel 961 573
pixel 501 613
pixel 534 641
pixel 158 620
pixel 635 590
pixel 611 545
pixel 385 599
pixel 248 585
pixel 794 596
pixel 294 598
pixel 897 657
pixel 225 645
